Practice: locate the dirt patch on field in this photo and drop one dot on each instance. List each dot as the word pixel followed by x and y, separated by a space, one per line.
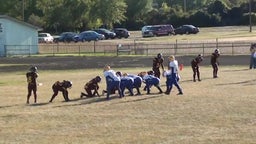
pixel 67 63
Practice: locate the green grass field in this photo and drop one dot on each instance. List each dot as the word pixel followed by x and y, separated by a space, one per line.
pixel 212 111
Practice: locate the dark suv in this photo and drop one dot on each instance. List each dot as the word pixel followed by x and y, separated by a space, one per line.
pixel 186 29
pixel 108 34
pixel 66 37
pixel 121 32
pixel 157 30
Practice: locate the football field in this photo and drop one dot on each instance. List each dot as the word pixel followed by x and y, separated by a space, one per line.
pixel 212 111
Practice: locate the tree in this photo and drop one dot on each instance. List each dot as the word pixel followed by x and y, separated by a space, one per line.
pixel 108 12
pixel 66 14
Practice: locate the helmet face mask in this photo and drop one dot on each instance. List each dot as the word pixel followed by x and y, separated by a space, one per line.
pixel 119 73
pixel 33 69
pixel 217 51
pixel 67 84
pixel 150 72
pixel 159 55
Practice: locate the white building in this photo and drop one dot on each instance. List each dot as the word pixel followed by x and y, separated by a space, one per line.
pixel 17 37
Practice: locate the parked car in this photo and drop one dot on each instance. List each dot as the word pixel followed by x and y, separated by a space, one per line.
pixel 186 29
pixel 66 37
pixel 107 33
pixel 157 30
pixel 121 32
pixel 45 38
pixel 89 36
pixel 146 31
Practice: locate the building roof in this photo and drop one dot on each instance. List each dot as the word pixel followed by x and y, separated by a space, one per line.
pixel 20 22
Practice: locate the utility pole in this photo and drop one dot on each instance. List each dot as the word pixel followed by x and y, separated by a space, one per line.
pixel 185 5
pixel 23 9
pixel 250 15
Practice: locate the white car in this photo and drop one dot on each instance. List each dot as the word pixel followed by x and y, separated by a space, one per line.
pixel 45 38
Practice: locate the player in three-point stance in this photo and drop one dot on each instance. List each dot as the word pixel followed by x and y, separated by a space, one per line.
pixel 91 87
pixel 150 80
pixel 62 87
pixel 126 83
pixel 112 81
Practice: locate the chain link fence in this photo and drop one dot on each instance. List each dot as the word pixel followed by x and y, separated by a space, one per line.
pixel 136 48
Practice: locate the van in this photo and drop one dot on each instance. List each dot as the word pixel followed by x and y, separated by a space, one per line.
pixel 157 30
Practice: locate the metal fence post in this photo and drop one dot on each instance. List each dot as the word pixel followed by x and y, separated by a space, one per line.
pixel 232 48
pixel 94 47
pixel 29 50
pixel 217 43
pixel 117 50
pixel 79 49
pixel 203 48
pixel 175 48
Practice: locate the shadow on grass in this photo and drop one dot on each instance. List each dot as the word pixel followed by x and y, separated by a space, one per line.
pixel 245 83
pixel 147 97
pixel 15 105
pixel 9 106
pixel 88 101
pixel 39 104
pixel 236 70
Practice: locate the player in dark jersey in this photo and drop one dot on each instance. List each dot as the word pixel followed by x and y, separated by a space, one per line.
pixel 32 83
pixel 195 67
pixel 61 86
pixel 215 62
pixel 157 63
pixel 91 87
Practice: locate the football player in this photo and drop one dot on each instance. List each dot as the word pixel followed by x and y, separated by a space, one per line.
pixel 112 81
pixel 126 83
pixel 172 76
pixel 150 80
pixel 62 87
pixel 32 83
pixel 137 81
pixel 195 67
pixel 157 63
pixel 215 62
pixel 91 87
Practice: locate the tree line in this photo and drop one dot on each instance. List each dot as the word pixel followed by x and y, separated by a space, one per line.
pixel 56 16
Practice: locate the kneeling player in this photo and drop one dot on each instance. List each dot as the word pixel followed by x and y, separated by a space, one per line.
pixel 91 87
pixel 61 86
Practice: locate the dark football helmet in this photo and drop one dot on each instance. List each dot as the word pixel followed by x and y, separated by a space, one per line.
pixel 67 84
pixel 159 55
pixel 98 78
pixel 151 72
pixel 217 51
pixel 33 69
pixel 118 73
